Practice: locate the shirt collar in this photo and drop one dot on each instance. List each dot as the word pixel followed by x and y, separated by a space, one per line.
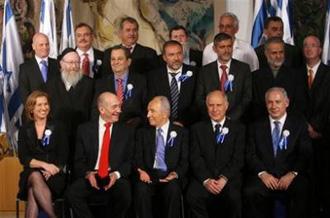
pixel 165 126
pixel 222 122
pixel 90 52
pixel 281 120
pixel 227 64
pixel 40 59
pixel 172 71
pixel 314 68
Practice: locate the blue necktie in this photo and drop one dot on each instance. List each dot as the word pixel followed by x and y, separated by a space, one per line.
pixel 174 96
pixel 160 151
pixel 44 70
pixel 276 136
pixel 217 133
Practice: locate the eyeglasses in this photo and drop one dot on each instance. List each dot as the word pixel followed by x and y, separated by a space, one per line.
pixel 72 62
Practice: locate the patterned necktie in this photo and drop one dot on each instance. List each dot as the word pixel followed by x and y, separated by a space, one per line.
pixel 276 136
pixel 224 77
pixel 217 133
pixel 105 153
pixel 160 151
pixel 120 89
pixel 174 96
pixel 85 65
pixel 310 78
pixel 44 70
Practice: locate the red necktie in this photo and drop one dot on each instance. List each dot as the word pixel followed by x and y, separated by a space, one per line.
pixel 105 152
pixel 85 65
pixel 310 78
pixel 224 77
pixel 120 90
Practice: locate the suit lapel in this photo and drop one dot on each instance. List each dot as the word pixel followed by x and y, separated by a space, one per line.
pixel 266 138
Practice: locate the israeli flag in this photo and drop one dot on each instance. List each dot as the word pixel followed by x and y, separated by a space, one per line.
pixel 260 15
pixel 284 10
pixel 48 25
pixel 326 50
pixel 10 58
pixel 67 39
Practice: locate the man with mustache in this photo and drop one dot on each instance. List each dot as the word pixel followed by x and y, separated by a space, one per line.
pixel 71 94
pixel 227 74
pixel 91 58
pixel 276 73
pixel 176 81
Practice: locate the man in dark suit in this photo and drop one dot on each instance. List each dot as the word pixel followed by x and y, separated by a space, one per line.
pixel 228 75
pixel 144 58
pixel 181 90
pixel 35 74
pixel 71 95
pixel 216 158
pixel 128 86
pixel 191 56
pixel 104 150
pixel 161 162
pixel 276 73
pixel 279 155
pixel 317 82
pixel 274 28
pixel 90 58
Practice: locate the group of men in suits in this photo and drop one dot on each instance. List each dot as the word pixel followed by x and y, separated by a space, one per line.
pixel 126 87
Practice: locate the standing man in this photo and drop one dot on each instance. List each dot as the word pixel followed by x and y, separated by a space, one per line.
pixel 104 151
pixel 144 58
pixel 177 82
pixel 35 73
pixel 279 155
pixel 130 87
pixel 317 82
pixel 276 73
pixel 228 75
pixel 242 51
pixel 91 58
pixel 274 28
pixel 190 56
pixel 216 159
pixel 71 95
pixel 161 162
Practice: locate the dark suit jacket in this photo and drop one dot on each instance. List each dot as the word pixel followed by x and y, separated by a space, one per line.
pixel 317 96
pixel 195 58
pixel 133 106
pixel 72 107
pixel 158 84
pixel 87 144
pixel 176 155
pixel 293 56
pixel 98 55
pixel 30 77
pixel 297 157
pixel 144 59
pixel 241 96
pixel 286 78
pixel 209 160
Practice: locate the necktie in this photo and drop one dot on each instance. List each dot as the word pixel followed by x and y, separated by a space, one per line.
pixel 105 152
pixel 224 77
pixel 276 136
pixel 44 70
pixel 160 151
pixel 310 78
pixel 85 64
pixel 120 89
pixel 174 96
pixel 217 132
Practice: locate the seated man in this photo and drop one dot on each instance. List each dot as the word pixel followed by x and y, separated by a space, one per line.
pixel 161 161
pixel 102 163
pixel 216 159
pixel 278 157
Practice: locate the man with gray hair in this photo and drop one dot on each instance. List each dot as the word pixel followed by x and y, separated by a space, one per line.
pixel 161 161
pixel 242 51
pixel 278 158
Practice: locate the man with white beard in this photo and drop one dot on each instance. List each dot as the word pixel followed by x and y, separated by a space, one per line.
pixel 71 94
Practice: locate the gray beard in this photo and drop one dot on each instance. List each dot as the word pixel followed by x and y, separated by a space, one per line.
pixel 71 78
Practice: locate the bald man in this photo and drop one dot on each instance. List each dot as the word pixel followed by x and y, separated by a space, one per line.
pixel 104 150
pixel 35 73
